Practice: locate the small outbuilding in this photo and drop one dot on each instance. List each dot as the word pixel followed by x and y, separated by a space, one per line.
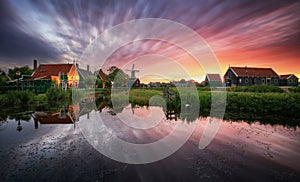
pixel 213 80
pixel 288 80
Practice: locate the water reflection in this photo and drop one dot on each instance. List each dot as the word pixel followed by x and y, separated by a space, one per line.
pixel 66 113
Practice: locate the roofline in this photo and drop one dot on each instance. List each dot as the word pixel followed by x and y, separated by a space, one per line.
pixel 41 77
pixel 207 75
pixel 290 76
pixel 250 68
pixel 71 68
pixel 232 71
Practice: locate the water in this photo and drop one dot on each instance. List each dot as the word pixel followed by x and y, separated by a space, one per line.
pixel 51 146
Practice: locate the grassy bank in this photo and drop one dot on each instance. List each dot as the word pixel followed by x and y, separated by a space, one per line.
pixel 279 106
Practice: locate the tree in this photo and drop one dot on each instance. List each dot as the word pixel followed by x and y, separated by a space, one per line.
pixel 99 83
pixel 24 70
pixel 3 78
pixel 118 77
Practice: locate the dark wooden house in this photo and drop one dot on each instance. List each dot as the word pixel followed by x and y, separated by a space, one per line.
pixel 288 80
pixel 213 80
pixel 246 76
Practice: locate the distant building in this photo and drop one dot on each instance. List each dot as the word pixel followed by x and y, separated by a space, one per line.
pixel 244 76
pixel 183 83
pixel 288 80
pixel 134 82
pixel 213 80
pixel 154 84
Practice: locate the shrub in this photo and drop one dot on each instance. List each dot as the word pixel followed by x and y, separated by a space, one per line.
pixel 18 98
pixel 295 90
pixel 57 94
pixel 256 88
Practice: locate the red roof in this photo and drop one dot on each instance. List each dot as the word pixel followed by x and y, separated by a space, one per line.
pixel 214 77
pixel 48 70
pixel 248 71
pixel 285 76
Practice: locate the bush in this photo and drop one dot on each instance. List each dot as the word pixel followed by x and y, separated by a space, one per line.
pixel 18 98
pixel 295 90
pixel 256 88
pixel 57 94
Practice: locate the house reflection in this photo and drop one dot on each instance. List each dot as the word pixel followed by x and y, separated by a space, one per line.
pixel 65 115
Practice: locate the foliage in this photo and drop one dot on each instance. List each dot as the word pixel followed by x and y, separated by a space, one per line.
pixel 99 83
pixel 15 98
pixel 25 70
pixel 205 88
pixel 118 77
pixel 264 103
pixel 57 94
pixel 256 88
pixel 294 89
pixel 3 78
pixel 41 97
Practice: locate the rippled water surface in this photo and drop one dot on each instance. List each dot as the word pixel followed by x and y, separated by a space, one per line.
pixel 51 146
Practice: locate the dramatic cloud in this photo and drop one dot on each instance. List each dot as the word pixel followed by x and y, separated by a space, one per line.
pixel 59 31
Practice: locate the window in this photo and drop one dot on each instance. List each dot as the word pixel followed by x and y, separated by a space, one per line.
pixel 246 80
pixel 275 80
pixel 263 80
pixel 240 80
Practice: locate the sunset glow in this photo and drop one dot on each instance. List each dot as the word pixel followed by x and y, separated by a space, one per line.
pixel 248 33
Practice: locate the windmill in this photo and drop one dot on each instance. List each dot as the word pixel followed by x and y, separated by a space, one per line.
pixel 133 71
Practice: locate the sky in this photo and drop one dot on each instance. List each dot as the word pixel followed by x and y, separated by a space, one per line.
pixel 240 33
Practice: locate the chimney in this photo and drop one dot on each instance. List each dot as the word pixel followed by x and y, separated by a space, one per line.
pixel 88 67
pixel 34 65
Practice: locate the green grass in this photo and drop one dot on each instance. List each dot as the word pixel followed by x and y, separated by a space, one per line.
pixel 142 96
pixel 41 97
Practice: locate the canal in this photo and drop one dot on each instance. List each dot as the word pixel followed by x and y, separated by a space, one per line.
pixel 55 145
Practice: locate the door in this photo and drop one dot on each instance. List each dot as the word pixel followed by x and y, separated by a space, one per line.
pixel 268 81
